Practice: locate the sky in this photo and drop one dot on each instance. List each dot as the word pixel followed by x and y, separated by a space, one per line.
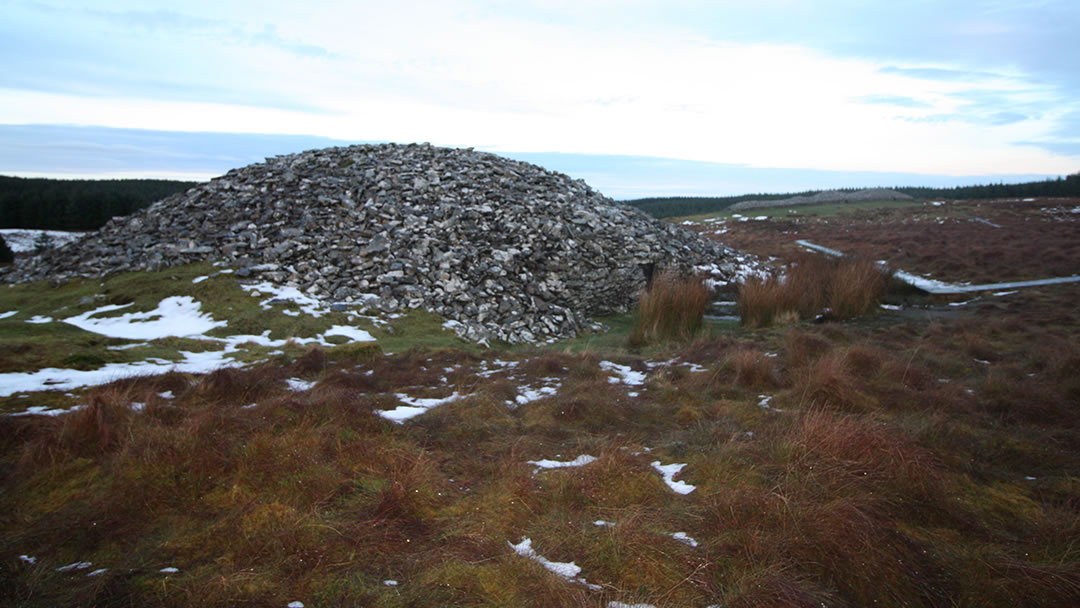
pixel 638 97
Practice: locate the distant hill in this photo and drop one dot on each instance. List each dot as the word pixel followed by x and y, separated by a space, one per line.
pixel 77 204
pixel 676 206
pixel 827 197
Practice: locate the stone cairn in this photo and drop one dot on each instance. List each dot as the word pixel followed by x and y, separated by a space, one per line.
pixel 509 250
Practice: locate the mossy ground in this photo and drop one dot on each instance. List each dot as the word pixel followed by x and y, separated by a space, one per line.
pixel 893 460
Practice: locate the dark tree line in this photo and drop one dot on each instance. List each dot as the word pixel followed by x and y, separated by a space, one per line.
pixel 676 206
pixel 77 204
pixel 1062 186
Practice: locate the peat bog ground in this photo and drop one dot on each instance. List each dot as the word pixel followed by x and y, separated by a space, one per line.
pixel 924 455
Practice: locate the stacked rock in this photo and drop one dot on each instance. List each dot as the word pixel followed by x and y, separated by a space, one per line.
pixel 509 250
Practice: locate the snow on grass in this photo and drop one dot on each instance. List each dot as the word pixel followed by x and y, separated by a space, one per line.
pixel 279 294
pixel 414 407
pixel 178 316
pixel 52 378
pixel 763 403
pixel 603 523
pixel 74 566
pixel 41 410
pixel 580 461
pixel 28 559
pixel 198 280
pixel 527 394
pixel 21 240
pixel 390 583
pixel 295 605
pixel 10 313
pixel 891 307
pixel 626 375
pixel 1004 293
pixel 500 366
pixel 353 333
pixel 568 571
pixel 98 571
pixel 298 385
pixel 128 346
pixel 39 319
pixel 685 538
pixel 669 471
pixel 167 395
pixel 614 604
pixel 169 570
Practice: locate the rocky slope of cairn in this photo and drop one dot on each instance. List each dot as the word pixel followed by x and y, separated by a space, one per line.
pixel 828 197
pixel 508 249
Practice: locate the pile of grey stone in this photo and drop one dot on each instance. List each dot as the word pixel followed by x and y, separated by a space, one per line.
pixel 508 250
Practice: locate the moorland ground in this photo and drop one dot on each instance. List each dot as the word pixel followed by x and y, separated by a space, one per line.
pixel 926 456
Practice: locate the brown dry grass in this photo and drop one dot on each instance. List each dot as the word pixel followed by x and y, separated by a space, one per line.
pixel 672 308
pixel 810 286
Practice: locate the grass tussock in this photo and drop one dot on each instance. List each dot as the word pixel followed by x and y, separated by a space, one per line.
pixel 671 309
pixel 811 286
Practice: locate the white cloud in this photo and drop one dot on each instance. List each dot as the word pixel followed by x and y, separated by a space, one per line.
pixel 551 78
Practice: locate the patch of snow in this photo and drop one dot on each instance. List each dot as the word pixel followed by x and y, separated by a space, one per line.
pixel 566 570
pixel 278 293
pixel 178 316
pixel 965 303
pixel 694 367
pixel 291 313
pixel 601 522
pixel 167 395
pixel 39 319
pixel 52 378
pixel 626 375
pixel 21 240
pixel 197 280
pixel 169 570
pixel 759 218
pixel 1028 200
pixel 128 346
pixel 137 406
pixel 982 361
pixel 74 566
pixel 353 333
pixel 98 571
pixel 295 605
pixel 1026 477
pixel 764 403
pixel 10 313
pixel 414 407
pixel 390 583
pixel 527 394
pixel 614 604
pixel 500 366
pixel 892 307
pixel 669 471
pixel 28 559
pixel 685 538
pixel 298 385
pixel 41 410
pixel 580 461
pixel 1004 293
